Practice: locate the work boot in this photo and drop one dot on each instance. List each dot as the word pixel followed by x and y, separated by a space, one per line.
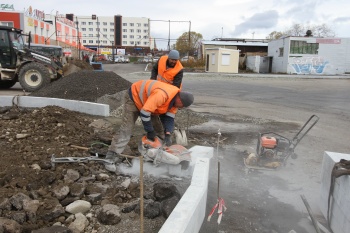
pixel 114 159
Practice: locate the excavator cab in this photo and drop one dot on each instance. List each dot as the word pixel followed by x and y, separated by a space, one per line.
pixel 10 42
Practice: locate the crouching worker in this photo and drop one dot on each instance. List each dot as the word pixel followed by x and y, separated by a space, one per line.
pixel 156 103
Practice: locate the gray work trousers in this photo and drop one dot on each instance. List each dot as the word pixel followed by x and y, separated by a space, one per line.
pixel 129 116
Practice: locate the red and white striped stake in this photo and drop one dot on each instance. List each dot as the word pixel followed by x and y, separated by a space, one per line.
pixel 220 203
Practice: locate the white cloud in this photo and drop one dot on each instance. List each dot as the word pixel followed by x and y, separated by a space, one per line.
pixel 211 18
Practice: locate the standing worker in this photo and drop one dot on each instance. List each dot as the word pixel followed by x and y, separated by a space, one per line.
pixel 147 99
pixel 169 69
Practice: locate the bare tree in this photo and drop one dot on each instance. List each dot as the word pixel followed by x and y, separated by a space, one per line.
pixel 188 42
pixel 322 30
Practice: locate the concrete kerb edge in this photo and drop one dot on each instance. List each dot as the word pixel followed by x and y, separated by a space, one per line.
pixel 189 213
pixel 39 102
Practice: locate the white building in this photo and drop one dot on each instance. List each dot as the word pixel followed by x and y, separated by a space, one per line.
pixel 129 33
pixel 310 55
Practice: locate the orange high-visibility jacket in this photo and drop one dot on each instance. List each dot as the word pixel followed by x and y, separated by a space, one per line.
pixel 167 75
pixel 154 97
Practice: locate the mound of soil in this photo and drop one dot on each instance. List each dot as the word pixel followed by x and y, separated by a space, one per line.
pixel 84 85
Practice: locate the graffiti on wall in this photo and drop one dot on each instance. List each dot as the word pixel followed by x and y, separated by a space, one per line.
pixel 308 65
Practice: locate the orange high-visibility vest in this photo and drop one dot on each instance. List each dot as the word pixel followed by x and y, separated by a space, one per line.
pixel 167 75
pixel 154 97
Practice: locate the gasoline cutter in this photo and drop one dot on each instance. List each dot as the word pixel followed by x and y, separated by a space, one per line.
pixel 273 150
pixel 155 152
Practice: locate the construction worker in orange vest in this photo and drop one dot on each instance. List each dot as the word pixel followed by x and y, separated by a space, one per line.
pixel 169 69
pixel 147 99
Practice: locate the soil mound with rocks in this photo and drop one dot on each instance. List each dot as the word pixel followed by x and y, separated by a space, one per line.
pixel 84 85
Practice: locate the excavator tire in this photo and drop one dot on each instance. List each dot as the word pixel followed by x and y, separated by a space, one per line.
pixel 7 84
pixel 34 76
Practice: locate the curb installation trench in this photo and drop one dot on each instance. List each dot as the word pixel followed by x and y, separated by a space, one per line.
pixel 189 213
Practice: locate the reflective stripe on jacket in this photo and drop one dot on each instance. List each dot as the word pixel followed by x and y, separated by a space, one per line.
pixel 154 97
pixel 167 75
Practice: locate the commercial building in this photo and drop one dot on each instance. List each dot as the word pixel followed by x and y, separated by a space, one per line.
pixel 128 34
pixel 310 55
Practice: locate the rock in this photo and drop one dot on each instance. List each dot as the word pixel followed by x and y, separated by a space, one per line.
pixel 168 205
pixel 162 191
pixel 10 226
pixel 151 209
pixel 78 206
pixel 61 191
pixel 79 224
pixel 17 200
pixel 77 189
pixel 109 215
pixel 53 213
pixel 71 176
pixel 126 183
pixel 22 135
pixel 94 198
pixel 31 208
pixel 5 204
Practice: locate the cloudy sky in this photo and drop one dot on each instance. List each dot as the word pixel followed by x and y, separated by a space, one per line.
pixel 212 18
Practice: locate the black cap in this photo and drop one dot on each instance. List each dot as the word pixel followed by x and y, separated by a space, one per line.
pixel 186 98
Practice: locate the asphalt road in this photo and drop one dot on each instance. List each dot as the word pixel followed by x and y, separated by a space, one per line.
pixel 246 105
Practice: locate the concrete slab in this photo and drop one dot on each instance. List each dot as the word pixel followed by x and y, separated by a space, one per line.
pixel 39 102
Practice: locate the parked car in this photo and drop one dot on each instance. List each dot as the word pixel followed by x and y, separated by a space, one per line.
pixel 155 59
pixel 126 59
pixel 119 59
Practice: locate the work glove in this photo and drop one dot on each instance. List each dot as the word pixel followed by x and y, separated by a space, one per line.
pixel 151 135
pixel 167 140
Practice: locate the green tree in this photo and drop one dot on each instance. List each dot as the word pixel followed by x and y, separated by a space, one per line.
pixel 188 42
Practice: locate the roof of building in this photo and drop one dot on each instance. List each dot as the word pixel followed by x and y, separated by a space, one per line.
pixel 235 43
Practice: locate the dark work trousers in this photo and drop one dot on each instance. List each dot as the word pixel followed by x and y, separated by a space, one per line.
pixel 129 117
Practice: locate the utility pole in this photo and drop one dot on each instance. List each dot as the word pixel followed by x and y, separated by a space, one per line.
pixel 169 38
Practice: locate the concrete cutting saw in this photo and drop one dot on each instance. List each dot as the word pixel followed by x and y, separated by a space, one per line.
pixel 273 149
pixel 157 153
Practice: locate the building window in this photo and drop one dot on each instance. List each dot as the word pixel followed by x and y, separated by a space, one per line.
pixel 138 37
pixel 84 41
pixel 302 47
pixel 145 31
pixel 97 29
pixel 84 35
pixel 138 30
pixel 131 24
pixel 111 24
pixel 83 29
pixel 91 41
pixel 91 23
pixel 111 30
pixel 145 25
pixel 131 42
pixel 91 29
pixel 104 23
pixel 125 24
pixel 104 36
pixel 125 30
pixel 131 30
pixel 139 24
pixel 105 29
pixel 91 35
pixel 125 42
pixel 281 51
pixel 83 23
pixel 125 36
pixel 145 43
pixel 131 36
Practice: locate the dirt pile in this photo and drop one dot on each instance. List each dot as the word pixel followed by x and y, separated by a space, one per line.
pixel 84 85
